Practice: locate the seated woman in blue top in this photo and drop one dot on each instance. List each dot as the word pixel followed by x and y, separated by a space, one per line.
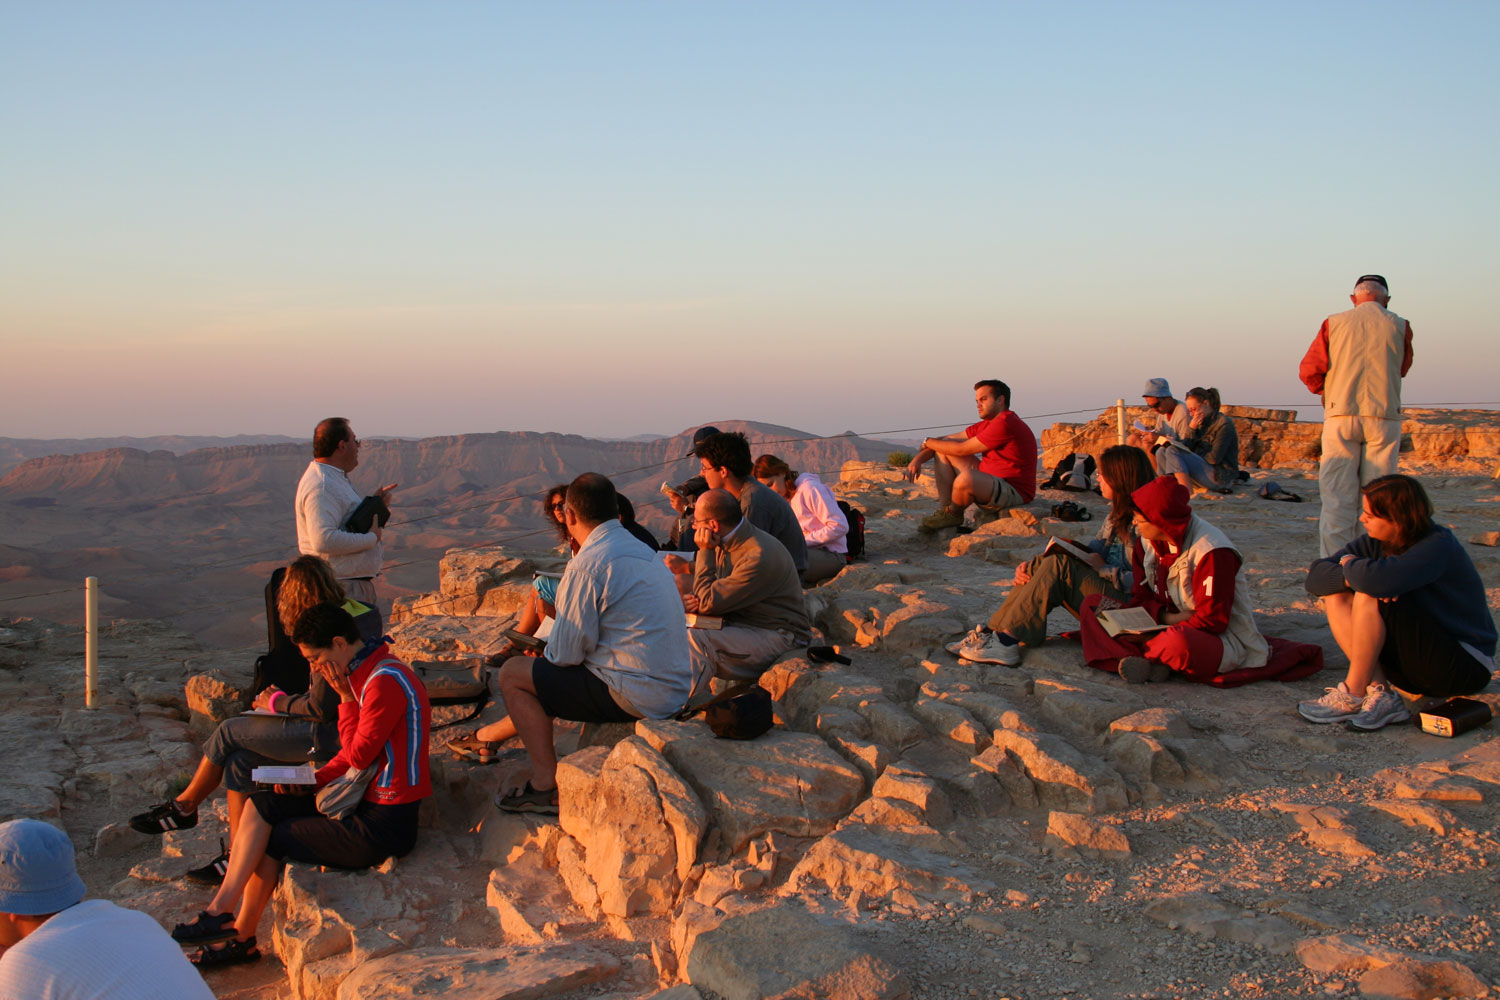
pixel 1407 607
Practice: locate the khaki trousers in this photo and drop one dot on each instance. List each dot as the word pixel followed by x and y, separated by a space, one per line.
pixel 1355 451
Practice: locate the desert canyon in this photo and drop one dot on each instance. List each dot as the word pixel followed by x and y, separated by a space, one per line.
pixel 914 826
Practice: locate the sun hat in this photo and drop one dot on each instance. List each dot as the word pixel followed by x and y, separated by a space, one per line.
pixel 1157 388
pixel 37 871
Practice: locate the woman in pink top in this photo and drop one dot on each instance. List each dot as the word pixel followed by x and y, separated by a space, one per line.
pixel 823 523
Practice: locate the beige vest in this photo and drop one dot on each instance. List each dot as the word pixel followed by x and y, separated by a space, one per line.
pixel 1244 646
pixel 1366 346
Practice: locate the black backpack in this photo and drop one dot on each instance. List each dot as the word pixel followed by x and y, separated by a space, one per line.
pixel 1075 473
pixel 856 537
pixel 283 663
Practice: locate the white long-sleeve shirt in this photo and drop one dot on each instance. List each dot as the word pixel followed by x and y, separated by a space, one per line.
pixel 817 510
pixel 325 498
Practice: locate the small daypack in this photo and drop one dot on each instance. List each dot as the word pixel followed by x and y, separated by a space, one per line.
pixel 1076 473
pixel 855 539
pixel 454 682
pixel 741 712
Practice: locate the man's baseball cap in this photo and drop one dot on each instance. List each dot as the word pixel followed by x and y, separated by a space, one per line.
pixel 699 436
pixel 1157 388
pixel 1379 278
pixel 37 871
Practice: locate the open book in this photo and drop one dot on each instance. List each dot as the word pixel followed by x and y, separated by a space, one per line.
pixel 1164 435
pixel 1129 621
pixel 1067 547
pixel 283 774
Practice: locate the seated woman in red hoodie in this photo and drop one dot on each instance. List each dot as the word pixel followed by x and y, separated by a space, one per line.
pixel 383 718
pixel 1191 578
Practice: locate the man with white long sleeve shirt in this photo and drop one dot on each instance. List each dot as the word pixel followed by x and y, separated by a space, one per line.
pixel 325 499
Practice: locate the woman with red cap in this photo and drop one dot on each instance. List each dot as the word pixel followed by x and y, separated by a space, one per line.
pixel 1190 577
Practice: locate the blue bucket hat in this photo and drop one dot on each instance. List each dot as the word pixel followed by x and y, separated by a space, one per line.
pixel 1157 388
pixel 37 871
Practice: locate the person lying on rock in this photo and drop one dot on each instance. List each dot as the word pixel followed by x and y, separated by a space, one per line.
pixel 991 464
pixel 383 719
pixel 1191 579
pixel 55 944
pixel 743 576
pixel 304 727
pixel 617 652
pixel 1408 608
pixel 1056 579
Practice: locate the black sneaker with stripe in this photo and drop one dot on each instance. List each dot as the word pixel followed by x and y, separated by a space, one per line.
pixel 213 872
pixel 159 819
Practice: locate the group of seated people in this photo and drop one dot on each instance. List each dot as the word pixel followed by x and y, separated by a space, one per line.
pixel 653 629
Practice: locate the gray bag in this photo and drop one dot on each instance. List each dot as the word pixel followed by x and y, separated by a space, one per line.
pixel 343 794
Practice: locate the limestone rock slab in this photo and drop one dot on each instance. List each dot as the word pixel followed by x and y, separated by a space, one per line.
pixel 478 973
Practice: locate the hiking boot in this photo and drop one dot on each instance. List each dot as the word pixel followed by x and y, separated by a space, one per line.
pixel 1381 707
pixel 946 517
pixel 161 818
pixel 990 648
pixel 1139 670
pixel 211 873
pixel 974 637
pixel 1336 705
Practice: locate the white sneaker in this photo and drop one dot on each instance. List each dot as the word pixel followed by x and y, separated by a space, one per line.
pixel 989 649
pixel 974 637
pixel 1381 707
pixel 1336 705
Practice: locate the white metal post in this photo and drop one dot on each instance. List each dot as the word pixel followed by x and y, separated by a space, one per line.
pixel 91 639
pixel 1120 419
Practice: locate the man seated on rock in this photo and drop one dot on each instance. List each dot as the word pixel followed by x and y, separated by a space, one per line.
pixel 617 652
pixel 991 464
pixel 1169 418
pixel 746 578
pixel 55 944
pixel 727 465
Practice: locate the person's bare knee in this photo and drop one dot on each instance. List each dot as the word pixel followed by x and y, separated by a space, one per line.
pixel 515 675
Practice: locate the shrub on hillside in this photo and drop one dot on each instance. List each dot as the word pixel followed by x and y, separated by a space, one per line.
pixel 899 459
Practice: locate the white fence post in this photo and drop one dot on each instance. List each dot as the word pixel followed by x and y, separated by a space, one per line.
pixel 1120 419
pixel 91 639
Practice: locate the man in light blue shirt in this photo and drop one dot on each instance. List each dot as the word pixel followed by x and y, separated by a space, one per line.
pixel 618 650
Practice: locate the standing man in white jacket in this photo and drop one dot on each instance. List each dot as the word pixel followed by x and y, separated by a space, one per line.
pixel 1356 363
pixel 325 499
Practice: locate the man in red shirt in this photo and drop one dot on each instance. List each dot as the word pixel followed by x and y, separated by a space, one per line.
pixel 992 464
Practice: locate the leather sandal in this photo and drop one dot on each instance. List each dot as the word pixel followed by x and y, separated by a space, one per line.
pixel 232 952
pixel 205 928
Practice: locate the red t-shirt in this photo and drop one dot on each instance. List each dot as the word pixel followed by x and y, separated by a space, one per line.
pixel 1010 451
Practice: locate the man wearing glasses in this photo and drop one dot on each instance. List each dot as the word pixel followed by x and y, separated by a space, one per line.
pixel 744 576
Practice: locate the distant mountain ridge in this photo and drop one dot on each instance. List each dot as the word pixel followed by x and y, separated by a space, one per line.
pixel 14 451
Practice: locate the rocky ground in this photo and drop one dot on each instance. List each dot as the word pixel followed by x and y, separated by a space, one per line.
pixel 917 827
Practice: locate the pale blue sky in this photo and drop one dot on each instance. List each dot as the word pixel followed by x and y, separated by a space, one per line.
pixel 619 217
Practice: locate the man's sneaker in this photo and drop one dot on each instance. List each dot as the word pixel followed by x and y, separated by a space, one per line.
pixel 213 872
pixel 1381 707
pixel 946 517
pixel 1139 670
pixel 160 819
pixel 1336 705
pixel 989 648
pixel 974 637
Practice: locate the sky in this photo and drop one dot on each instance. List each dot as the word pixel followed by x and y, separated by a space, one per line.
pixel 618 218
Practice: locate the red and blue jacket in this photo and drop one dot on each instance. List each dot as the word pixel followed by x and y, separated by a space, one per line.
pixel 388 722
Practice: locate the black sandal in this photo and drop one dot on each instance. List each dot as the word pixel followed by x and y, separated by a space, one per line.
pixel 231 952
pixel 205 928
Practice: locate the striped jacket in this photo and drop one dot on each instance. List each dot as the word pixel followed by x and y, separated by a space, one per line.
pixel 389 723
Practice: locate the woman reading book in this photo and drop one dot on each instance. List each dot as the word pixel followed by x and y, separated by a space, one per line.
pixel 1060 578
pixel 1408 608
pixel 1190 578
pixel 284 727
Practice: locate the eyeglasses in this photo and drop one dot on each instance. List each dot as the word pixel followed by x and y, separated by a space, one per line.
pixel 560 505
